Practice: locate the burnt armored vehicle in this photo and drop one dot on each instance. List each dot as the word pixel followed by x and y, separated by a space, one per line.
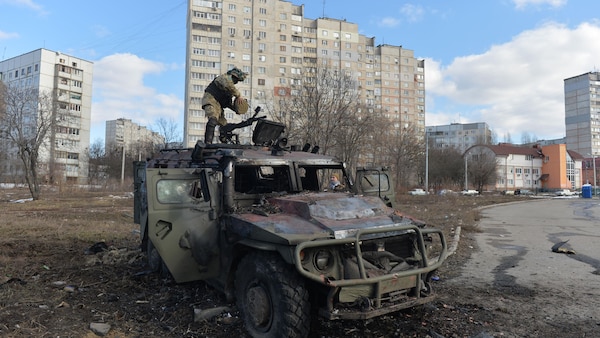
pixel 256 222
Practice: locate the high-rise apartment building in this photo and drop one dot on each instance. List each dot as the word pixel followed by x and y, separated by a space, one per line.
pixel 137 140
pixel 69 80
pixel 582 113
pixel 279 46
pixel 460 136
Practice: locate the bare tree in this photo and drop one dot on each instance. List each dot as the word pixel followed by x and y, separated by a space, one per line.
pixel 318 104
pixel 481 167
pixel 405 152
pixel 446 167
pixel 28 119
pixel 97 159
pixel 170 131
pixel 354 137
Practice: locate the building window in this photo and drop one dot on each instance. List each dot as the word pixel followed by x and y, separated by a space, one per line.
pixel 261 82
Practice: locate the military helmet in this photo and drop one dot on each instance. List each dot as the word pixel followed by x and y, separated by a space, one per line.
pixel 237 73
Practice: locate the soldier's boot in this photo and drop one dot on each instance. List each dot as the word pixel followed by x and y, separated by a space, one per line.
pixel 209 134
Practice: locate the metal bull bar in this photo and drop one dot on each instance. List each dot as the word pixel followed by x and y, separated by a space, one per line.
pixel 426 267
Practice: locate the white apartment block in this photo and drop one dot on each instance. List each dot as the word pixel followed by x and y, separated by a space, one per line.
pixel 460 136
pixel 69 79
pixel 134 138
pixel 278 46
pixel 582 113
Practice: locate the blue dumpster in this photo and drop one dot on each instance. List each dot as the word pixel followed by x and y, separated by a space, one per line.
pixel 586 191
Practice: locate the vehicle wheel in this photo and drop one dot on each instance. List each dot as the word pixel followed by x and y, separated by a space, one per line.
pixel 155 262
pixel 271 297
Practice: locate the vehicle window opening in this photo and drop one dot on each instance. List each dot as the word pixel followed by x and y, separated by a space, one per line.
pixel 374 182
pixel 174 191
pixel 261 180
pixel 309 179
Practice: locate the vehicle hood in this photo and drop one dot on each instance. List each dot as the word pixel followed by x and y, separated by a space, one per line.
pixel 296 218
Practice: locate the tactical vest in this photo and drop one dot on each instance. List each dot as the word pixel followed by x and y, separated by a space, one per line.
pixel 222 96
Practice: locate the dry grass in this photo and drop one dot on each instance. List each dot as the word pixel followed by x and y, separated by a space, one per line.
pixel 43 242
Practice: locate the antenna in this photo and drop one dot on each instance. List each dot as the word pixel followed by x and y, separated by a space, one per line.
pixel 323 8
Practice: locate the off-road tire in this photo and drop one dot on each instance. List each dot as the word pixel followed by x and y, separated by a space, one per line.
pixel 271 297
pixel 155 263
pixel 153 257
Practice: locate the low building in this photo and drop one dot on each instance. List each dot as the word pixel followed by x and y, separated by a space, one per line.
pixel 589 169
pixel 539 168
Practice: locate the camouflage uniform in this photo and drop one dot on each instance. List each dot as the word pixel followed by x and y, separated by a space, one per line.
pixel 218 96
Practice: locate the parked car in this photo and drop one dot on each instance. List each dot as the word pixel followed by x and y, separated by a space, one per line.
pixel 523 192
pixel 565 192
pixel 447 192
pixel 469 192
pixel 417 192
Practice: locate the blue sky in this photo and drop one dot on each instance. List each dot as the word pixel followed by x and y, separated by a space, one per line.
pixel 497 61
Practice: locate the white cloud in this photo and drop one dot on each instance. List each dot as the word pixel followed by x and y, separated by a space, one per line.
pixel 413 13
pixel 521 4
pixel 518 86
pixel 100 31
pixel 25 3
pixel 388 22
pixel 120 92
pixel 6 36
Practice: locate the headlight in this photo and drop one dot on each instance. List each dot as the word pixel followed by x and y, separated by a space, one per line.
pixel 323 260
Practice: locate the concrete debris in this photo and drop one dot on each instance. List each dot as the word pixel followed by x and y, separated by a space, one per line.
pixel 206 314
pixel 100 329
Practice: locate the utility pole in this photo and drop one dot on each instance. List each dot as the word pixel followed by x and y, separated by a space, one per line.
pixel 123 166
pixel 466 169
pixel 426 163
pixel 594 167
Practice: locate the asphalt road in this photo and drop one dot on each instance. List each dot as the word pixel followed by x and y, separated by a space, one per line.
pixel 514 251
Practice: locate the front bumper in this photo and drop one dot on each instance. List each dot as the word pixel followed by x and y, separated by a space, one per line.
pixel 371 296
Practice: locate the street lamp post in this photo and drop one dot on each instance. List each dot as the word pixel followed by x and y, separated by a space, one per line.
pixel 466 178
pixel 426 163
pixel 594 168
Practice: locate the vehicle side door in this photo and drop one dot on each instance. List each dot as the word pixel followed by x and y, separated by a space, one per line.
pixel 376 182
pixel 182 224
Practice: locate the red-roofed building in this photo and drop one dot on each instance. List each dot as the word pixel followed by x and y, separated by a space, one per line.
pixel 545 168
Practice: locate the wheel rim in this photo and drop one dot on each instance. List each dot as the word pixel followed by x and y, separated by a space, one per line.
pixel 259 306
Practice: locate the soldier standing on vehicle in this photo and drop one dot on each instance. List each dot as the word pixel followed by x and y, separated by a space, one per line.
pixel 218 96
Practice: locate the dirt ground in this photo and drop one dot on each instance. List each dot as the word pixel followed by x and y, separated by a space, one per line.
pixel 52 284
